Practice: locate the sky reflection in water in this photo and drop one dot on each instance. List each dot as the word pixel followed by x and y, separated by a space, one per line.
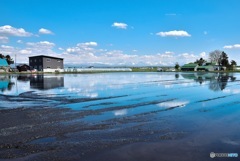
pixel 206 105
pixel 129 93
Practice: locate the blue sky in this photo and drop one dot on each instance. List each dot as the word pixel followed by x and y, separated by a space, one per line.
pixel 120 32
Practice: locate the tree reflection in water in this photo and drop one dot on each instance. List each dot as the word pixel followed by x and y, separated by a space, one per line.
pixel 220 82
pixel 176 76
pixel 217 81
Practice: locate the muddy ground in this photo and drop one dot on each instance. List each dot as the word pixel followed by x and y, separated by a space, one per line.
pixel 37 129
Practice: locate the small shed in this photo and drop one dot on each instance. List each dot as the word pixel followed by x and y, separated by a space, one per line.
pixel 3 65
pixel 189 67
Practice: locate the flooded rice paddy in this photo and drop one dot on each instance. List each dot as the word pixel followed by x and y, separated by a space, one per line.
pixel 119 116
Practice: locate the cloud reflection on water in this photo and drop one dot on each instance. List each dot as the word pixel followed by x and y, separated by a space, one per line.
pixel 173 104
pixel 120 112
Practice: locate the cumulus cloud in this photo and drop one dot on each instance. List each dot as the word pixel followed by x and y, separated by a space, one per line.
pixel 120 25
pixel 81 54
pixel 6 47
pixel 19 41
pixel 88 53
pixel 3 39
pixel 83 48
pixel 8 30
pixel 9 50
pixel 174 33
pixel 45 31
pixel 236 46
pixel 84 55
pixel 41 44
pixel 91 43
pixel 203 55
pixel 25 51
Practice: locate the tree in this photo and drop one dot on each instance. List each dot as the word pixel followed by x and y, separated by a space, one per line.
pixel 215 56
pixel 200 62
pixel 224 59
pixel 2 56
pixel 177 66
pixel 9 59
pixel 233 64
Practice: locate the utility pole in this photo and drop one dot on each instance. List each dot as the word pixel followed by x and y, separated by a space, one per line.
pixel 15 61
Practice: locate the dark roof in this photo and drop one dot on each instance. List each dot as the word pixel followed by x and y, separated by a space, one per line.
pixel 45 57
pixel 3 62
pixel 22 65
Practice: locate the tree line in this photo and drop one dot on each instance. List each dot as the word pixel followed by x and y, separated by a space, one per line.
pixel 216 57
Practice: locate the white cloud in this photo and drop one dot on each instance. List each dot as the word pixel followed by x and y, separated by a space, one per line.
pixel 9 50
pixel 25 51
pixel 6 47
pixel 41 44
pixel 83 48
pixel 19 41
pixel 203 54
pixel 88 53
pixel 169 52
pixel 174 33
pixel 45 31
pixel 91 43
pixel 3 39
pixel 91 55
pixel 236 46
pixel 120 25
pixel 11 31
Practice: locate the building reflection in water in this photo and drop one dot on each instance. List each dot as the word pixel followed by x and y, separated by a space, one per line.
pixel 6 83
pixel 217 81
pixel 42 82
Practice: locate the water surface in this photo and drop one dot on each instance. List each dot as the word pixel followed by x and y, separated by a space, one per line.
pixel 182 113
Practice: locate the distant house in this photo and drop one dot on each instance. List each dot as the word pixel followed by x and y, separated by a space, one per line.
pixel 189 67
pixel 23 68
pixel 207 68
pixel 237 68
pixel 160 69
pixel 45 63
